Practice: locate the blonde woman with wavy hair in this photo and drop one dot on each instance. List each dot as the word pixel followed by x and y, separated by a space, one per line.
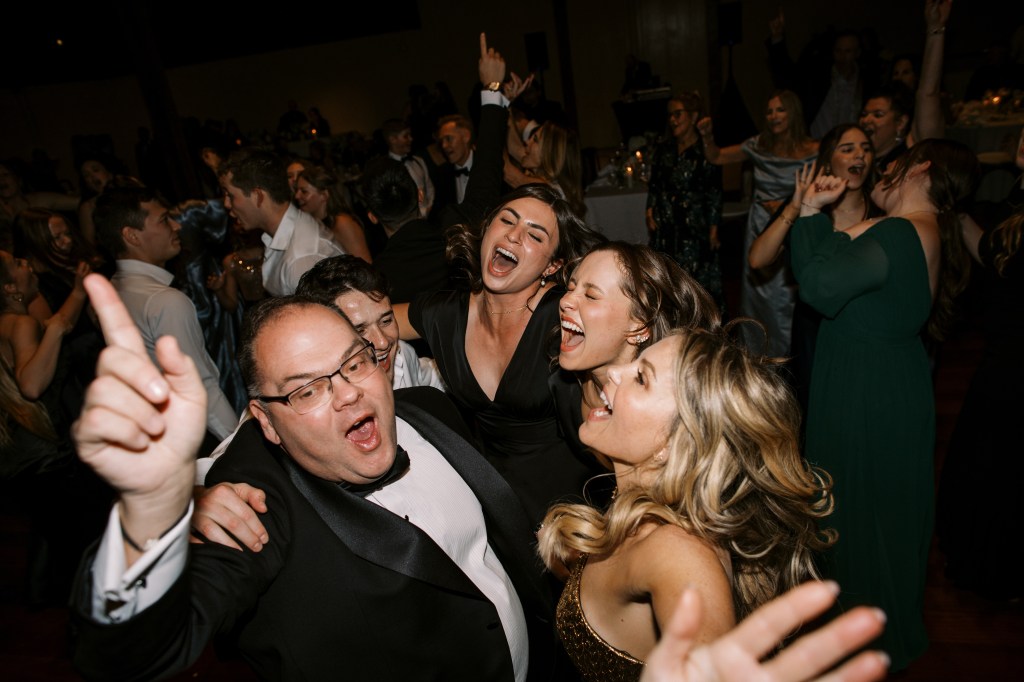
pixel 712 493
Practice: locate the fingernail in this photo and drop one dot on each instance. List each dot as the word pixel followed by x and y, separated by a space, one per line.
pixel 158 389
pixel 264 538
pixel 886 661
pixel 880 615
pixel 833 586
pixel 257 547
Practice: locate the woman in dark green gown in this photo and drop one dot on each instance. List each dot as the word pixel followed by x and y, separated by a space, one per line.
pixel 871 420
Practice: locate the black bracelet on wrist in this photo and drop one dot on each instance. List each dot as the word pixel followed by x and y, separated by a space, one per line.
pixel 148 544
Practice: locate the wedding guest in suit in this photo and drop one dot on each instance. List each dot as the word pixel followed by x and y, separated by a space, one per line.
pixel 455 135
pixel 413 259
pixel 452 593
pixel 398 137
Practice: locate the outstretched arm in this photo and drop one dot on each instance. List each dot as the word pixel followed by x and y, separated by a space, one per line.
pixel 717 155
pixel 484 187
pixel 928 120
pixel 737 655
pixel 36 352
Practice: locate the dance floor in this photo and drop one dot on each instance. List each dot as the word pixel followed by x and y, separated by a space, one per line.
pixel 972 638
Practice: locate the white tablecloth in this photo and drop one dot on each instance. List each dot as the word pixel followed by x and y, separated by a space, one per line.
pixel 618 213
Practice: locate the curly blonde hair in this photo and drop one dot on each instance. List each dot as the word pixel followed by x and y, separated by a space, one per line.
pixel 734 477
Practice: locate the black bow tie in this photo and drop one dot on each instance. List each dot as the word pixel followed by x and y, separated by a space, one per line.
pixel 397 470
pixel 461 171
pixel 407 158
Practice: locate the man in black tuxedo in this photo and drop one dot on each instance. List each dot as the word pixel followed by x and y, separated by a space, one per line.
pixel 414 258
pixel 455 137
pixel 395 551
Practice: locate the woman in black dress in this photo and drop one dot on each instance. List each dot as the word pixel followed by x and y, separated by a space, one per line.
pixel 494 345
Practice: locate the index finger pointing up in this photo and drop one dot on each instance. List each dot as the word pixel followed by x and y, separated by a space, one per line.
pixel 483 44
pixel 118 327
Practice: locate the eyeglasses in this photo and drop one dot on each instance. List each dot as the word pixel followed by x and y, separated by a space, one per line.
pixel 676 113
pixel 317 392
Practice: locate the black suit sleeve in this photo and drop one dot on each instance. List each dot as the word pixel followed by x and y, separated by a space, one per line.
pixel 218 587
pixel 484 188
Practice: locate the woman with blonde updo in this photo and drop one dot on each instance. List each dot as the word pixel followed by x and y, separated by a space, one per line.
pixel 712 492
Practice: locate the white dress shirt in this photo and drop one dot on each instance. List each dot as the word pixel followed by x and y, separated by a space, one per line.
pixel 461 180
pixel 158 309
pixel 301 241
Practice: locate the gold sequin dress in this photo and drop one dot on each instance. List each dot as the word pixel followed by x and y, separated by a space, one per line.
pixel 596 660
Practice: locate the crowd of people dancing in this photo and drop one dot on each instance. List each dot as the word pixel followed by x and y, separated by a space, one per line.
pixel 377 423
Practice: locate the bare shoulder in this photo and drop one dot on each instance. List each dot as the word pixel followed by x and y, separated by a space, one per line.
pixel 668 559
pixel 668 550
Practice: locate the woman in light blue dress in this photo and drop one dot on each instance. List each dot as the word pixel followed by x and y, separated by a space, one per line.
pixel 768 294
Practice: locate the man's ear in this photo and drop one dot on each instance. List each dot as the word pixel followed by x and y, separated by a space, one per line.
pixel 269 432
pixel 258 196
pixel 130 235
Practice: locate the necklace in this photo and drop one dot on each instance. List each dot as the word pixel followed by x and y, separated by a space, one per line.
pixel 525 306
pixel 507 312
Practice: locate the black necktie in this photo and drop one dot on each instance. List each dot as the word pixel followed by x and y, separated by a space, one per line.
pixel 397 470
pixel 461 171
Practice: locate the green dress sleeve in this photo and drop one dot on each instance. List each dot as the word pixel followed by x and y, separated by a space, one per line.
pixel 831 268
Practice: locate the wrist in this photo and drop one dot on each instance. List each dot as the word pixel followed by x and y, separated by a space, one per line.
pixel 938 31
pixel 144 544
pixel 146 516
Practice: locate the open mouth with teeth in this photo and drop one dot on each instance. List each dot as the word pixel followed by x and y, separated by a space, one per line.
pixel 599 413
pixel 503 261
pixel 572 335
pixel 364 434
pixel 383 357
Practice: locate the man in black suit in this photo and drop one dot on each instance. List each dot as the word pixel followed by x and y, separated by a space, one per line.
pixel 395 552
pixel 455 137
pixel 414 258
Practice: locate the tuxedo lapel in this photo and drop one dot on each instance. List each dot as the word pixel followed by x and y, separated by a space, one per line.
pixel 376 534
pixel 508 530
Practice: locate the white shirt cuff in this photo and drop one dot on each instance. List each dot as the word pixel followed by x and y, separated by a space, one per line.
pixel 492 97
pixel 120 593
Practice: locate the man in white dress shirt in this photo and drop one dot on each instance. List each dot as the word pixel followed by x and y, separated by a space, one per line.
pixel 257 194
pixel 360 292
pixel 134 225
